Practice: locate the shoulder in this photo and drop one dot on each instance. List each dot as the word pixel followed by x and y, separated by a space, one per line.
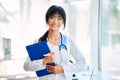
pixel 67 39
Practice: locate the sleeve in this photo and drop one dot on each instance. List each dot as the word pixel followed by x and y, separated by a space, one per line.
pixel 33 65
pixel 79 64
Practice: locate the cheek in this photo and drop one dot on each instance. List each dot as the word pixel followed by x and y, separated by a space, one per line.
pixel 62 23
pixel 49 22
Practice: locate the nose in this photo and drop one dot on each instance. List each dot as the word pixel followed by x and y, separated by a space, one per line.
pixel 55 20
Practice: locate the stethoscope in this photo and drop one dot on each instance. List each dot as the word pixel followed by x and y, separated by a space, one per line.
pixel 61 46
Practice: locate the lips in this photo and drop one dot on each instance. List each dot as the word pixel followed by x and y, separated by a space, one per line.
pixel 54 26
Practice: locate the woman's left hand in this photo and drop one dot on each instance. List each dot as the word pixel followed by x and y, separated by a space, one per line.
pixel 55 69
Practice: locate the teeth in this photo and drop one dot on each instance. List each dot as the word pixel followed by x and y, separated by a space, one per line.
pixel 54 25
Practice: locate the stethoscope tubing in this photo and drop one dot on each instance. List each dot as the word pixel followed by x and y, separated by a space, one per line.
pixel 61 44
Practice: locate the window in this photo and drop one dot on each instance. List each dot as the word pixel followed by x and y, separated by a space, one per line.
pixel 110 37
pixel 7 48
pixel 80 26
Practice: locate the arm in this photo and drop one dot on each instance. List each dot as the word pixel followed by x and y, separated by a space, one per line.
pixel 33 65
pixel 38 64
pixel 79 64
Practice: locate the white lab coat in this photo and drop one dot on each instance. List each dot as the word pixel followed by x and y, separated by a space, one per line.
pixel 61 57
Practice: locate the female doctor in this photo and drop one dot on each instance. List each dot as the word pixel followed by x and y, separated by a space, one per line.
pixel 64 53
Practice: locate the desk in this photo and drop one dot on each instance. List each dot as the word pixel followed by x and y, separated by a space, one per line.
pixel 80 76
pixel 99 76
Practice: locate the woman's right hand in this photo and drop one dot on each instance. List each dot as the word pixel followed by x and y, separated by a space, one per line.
pixel 48 58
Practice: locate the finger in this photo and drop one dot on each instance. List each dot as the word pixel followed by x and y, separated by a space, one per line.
pixel 50 68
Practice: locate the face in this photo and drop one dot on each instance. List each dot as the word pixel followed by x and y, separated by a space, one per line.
pixel 55 22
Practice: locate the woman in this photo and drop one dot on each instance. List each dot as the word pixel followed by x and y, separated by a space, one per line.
pixel 64 52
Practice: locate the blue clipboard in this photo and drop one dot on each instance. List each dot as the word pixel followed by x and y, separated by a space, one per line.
pixel 36 51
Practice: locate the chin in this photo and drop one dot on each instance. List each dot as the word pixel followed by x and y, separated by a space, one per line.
pixel 54 29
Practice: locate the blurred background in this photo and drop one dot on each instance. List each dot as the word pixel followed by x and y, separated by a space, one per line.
pixel 94 24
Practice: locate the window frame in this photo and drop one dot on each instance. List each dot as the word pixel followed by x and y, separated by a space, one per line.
pixel 6 44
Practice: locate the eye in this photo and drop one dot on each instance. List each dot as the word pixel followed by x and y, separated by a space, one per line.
pixel 60 18
pixel 51 17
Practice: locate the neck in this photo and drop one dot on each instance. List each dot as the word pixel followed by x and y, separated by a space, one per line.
pixel 53 35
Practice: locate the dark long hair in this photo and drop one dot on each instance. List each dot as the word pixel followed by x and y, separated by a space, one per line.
pixel 44 37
